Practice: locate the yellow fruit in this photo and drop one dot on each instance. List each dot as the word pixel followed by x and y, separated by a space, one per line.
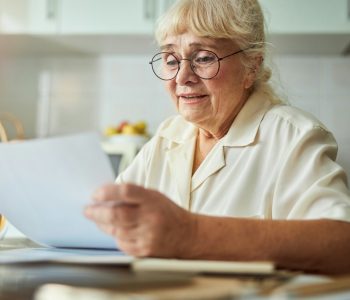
pixel 129 129
pixel 140 127
pixel 110 131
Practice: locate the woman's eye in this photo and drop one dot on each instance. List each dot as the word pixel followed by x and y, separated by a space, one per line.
pixel 170 61
pixel 205 59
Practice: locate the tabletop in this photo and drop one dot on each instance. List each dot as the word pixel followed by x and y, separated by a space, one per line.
pixel 51 281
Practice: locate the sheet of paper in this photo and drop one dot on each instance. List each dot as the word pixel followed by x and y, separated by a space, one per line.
pixel 71 256
pixel 45 185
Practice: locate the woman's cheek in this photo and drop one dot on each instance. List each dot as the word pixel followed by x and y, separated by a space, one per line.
pixel 170 87
pixel 176 102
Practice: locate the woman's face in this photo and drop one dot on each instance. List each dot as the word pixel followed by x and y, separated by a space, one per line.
pixel 210 104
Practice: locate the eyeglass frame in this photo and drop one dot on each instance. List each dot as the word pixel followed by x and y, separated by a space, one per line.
pixel 191 64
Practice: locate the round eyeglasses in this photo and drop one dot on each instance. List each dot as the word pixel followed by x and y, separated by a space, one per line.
pixel 204 63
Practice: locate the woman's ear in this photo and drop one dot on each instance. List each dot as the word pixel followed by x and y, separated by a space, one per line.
pixel 252 72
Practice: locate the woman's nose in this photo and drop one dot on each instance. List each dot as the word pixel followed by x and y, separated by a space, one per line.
pixel 186 73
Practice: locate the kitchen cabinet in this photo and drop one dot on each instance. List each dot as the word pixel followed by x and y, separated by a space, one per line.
pixel 107 16
pixel 110 16
pixel 97 27
pixel 29 16
pixel 307 16
pixel 80 16
pixel 78 27
pixel 308 26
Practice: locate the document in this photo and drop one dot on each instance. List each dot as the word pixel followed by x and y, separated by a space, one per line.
pixel 45 185
pixel 60 255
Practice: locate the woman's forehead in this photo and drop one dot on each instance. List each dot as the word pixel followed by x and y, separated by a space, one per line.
pixel 189 40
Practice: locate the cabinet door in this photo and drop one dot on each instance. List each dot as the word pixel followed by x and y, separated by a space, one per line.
pixel 162 6
pixel 307 16
pixel 108 16
pixel 28 16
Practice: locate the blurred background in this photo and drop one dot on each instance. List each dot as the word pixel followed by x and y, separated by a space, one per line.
pixel 68 66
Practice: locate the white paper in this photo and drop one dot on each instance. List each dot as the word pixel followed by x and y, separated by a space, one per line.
pixel 45 185
pixel 71 256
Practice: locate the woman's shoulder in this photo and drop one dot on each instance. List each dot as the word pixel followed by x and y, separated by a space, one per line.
pixel 295 117
pixel 176 128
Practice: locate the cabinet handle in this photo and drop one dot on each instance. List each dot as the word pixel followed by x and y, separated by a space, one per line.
pixel 51 9
pixel 349 10
pixel 149 9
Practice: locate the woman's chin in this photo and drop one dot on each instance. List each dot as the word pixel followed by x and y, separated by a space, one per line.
pixel 192 116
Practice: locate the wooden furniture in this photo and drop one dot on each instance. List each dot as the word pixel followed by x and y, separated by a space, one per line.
pixel 6 119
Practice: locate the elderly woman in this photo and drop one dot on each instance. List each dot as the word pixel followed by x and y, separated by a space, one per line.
pixel 236 175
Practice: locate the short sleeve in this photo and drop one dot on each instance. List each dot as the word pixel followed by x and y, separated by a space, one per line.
pixel 310 184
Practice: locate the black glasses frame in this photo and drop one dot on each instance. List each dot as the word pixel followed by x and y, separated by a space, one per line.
pixel 191 63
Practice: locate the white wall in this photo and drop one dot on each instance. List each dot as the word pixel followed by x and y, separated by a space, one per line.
pixel 130 91
pixel 87 93
pixel 19 90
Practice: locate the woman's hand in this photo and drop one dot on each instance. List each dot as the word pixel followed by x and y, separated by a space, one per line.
pixel 144 222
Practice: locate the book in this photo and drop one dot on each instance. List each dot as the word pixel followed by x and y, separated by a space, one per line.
pixel 203 266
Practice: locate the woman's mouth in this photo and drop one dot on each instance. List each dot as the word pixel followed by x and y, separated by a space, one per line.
pixel 192 99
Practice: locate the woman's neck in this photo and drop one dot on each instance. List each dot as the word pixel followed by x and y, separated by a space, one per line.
pixel 219 128
pixel 204 143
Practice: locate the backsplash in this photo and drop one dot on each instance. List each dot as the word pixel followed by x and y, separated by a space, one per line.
pixel 56 95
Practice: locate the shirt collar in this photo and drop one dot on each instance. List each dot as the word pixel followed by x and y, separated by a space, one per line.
pixel 242 132
pixel 178 130
pixel 246 124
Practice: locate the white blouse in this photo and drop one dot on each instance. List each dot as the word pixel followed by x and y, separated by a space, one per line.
pixel 275 162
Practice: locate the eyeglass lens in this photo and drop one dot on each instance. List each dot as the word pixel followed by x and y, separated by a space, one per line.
pixel 203 63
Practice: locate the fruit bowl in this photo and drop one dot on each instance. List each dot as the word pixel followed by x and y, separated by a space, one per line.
pixel 127 133
pixel 135 139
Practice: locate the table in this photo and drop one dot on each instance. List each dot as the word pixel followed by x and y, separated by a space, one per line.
pixel 22 280
pixel 43 281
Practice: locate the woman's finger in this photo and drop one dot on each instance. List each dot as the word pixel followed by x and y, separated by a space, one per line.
pixel 101 214
pixel 125 192
pixel 109 229
pixel 106 192
pixel 124 214
pixel 130 235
